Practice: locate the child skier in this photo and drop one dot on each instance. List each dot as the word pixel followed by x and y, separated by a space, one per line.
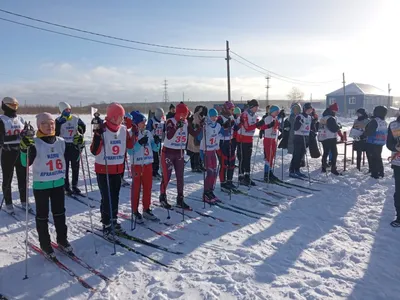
pixel 271 129
pixel 142 171
pixel 96 121
pixel 156 125
pixel 209 145
pixel 376 132
pixel 177 130
pixel 10 127
pixel 302 126
pixel 356 131
pixel 109 146
pixel 46 155
pixel 328 130
pixel 193 144
pixel 71 129
pixel 248 121
pixel 393 144
pixel 227 147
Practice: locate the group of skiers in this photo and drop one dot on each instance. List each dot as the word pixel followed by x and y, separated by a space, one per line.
pixel 208 135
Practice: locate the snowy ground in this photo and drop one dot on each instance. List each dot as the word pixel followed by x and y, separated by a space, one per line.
pixel 332 244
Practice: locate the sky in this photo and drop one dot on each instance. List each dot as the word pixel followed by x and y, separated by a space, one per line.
pixel 309 42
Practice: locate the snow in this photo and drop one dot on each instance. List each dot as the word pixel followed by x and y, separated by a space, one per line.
pixel 332 244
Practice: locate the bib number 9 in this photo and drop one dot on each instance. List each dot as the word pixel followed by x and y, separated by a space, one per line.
pixel 115 150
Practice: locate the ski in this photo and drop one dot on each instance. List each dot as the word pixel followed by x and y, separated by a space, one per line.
pixel 312 180
pixel 30 211
pixel 215 218
pixel 290 185
pixel 76 198
pixel 132 238
pixel 62 267
pixel 126 217
pixel 263 200
pixel 86 197
pixel 81 262
pixel 130 249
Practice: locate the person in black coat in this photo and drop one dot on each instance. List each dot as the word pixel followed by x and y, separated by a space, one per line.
pixel 356 131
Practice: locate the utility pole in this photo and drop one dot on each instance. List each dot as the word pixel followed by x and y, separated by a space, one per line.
pixel 267 87
pixel 389 89
pixel 344 95
pixel 183 96
pixel 311 98
pixel 165 95
pixel 228 70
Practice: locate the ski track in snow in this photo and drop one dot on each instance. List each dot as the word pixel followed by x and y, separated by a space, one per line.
pixel 333 244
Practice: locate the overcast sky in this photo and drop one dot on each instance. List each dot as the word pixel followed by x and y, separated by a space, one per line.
pixel 307 40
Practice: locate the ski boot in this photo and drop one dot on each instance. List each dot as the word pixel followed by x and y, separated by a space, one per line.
pixel 148 214
pixel 334 171
pixel 138 217
pixel 226 187
pixel 9 208
pixel 108 234
pixel 48 251
pixel 181 203
pixel 76 191
pixel 248 179
pixel 208 197
pixel 216 199
pixel 395 223
pixel 65 246
pixel 23 205
pixel 164 202
pixel 68 191
pixel 243 180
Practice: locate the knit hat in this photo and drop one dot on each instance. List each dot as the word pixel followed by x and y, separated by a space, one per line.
pixel 273 109
pixel 63 106
pixel 307 106
pixel 334 107
pixel 237 110
pixel 212 112
pixel 252 103
pixel 181 109
pixel 43 117
pixel 295 106
pixel 228 105
pixel 171 106
pixel 138 117
pixel 11 103
pixel 159 113
pixel 361 111
pixel 114 111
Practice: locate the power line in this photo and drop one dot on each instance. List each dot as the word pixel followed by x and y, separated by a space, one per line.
pixel 107 43
pixel 109 36
pixel 285 77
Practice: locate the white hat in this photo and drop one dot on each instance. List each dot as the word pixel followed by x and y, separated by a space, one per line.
pixel 63 106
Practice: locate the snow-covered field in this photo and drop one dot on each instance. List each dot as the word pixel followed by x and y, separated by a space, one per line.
pixel 335 243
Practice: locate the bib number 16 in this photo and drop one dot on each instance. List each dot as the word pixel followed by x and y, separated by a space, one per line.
pixel 58 164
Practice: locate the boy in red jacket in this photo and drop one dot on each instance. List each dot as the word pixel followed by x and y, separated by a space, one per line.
pixel 109 145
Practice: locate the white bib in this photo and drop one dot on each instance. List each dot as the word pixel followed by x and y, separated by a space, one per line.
pixel 271 133
pixel 115 145
pixel 211 137
pixel 158 128
pixel 69 129
pixel 251 119
pixel 323 132
pixel 49 163
pixel 179 139
pixel 305 126
pixel 145 154
pixel 228 137
pixel 12 126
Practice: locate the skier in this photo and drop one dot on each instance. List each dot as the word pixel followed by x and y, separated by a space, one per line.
pixel 177 130
pixel 210 137
pixel 72 130
pixel 128 124
pixel 328 130
pixel 96 121
pixel 270 126
pixel 10 127
pixel 156 126
pixel 111 139
pixel 46 155
pixel 248 120
pixel 142 170
pixel 295 110
pixel 393 144
pixel 356 131
pixel 193 144
pixel 376 132
pixel 302 126
pixel 171 112
pixel 227 146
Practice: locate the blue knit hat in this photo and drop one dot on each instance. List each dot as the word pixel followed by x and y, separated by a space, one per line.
pixel 138 117
pixel 212 112
pixel 273 109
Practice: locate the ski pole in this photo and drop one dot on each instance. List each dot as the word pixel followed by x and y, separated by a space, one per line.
pixel 308 166
pixel 205 165
pixel 109 194
pixel 90 206
pixel 87 164
pixel 229 162
pixel 282 162
pixel 26 214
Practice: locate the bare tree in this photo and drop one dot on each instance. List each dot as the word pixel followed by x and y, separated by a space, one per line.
pixel 295 94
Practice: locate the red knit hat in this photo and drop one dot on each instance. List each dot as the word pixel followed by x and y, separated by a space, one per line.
pixel 115 111
pixel 181 109
pixel 334 107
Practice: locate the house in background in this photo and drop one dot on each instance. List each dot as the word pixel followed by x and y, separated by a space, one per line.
pixel 358 95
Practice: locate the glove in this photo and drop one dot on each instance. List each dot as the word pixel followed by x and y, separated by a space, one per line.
pixel 157 139
pixel 143 141
pixel 272 124
pixel 62 120
pixel 227 124
pixel 26 142
pixel 101 128
pixel 202 122
pixel 261 134
pixel 128 123
pixel 78 139
pixel 260 123
pixel 180 124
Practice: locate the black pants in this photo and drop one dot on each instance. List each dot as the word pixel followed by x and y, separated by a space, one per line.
pixel 244 151
pixel 9 161
pixel 195 161
pixel 374 153
pixel 299 150
pixel 115 186
pixel 396 195
pixel 329 146
pixel 227 160
pixel 156 161
pixel 57 199
pixel 72 155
